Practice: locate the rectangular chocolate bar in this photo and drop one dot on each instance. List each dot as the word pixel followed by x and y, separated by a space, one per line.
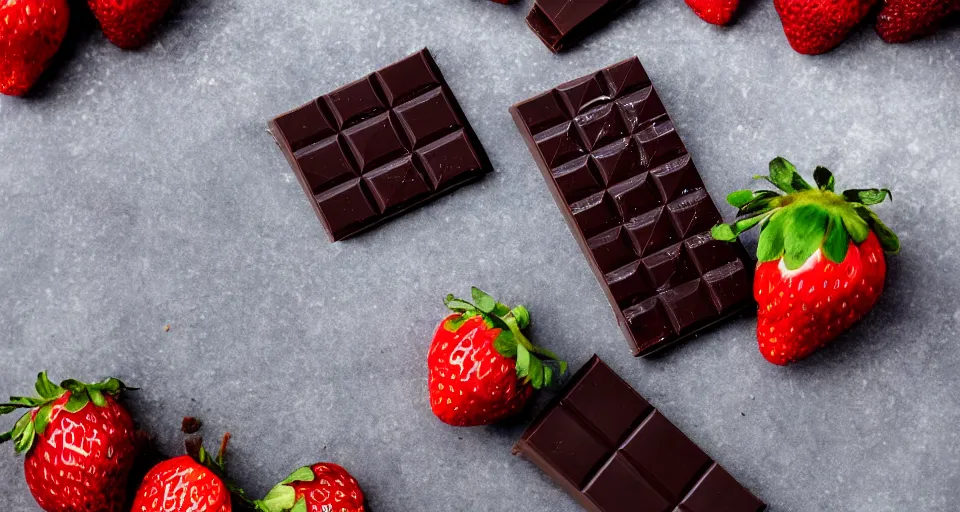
pixel 560 22
pixel 614 452
pixel 636 204
pixel 382 145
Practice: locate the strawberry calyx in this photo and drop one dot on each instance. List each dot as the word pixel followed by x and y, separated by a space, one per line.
pixel 34 422
pixel 511 342
pixel 215 463
pixel 283 497
pixel 803 219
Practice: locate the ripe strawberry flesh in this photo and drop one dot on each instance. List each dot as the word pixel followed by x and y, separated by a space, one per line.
pixel 470 382
pixel 817 26
pixel 31 32
pixel 333 489
pixel 82 460
pixel 718 12
pixel 182 485
pixel 900 21
pixel 802 310
pixel 129 23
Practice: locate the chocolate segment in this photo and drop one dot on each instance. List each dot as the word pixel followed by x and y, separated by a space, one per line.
pixel 637 205
pixel 382 145
pixel 614 452
pixel 560 22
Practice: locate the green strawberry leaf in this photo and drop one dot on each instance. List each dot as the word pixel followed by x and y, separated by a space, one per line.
pixel 547 376
pixel 455 323
pixel 457 304
pixel 484 302
pixel 501 310
pixel 42 419
pixel 804 231
pixel 523 361
pixel 824 178
pixel 888 239
pixel 740 198
pixel 77 402
pixel 723 233
pixel 280 498
pixel 46 388
pixel 784 176
pixel 837 242
pixel 20 402
pixel 536 373
pixel 96 396
pixel 770 244
pixel 300 506
pixel 7 409
pixel 6 436
pixel 24 441
pixel 304 474
pixel 506 344
pixel 111 386
pixel 856 226
pixel 867 197
pixel 74 386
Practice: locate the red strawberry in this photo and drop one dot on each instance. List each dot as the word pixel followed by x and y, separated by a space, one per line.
pixel 31 32
pixel 482 368
pixel 189 483
pixel 900 21
pixel 324 487
pixel 821 263
pixel 818 26
pixel 80 445
pixel 128 23
pixel 718 12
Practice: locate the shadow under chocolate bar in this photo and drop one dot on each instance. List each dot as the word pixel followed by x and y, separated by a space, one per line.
pixel 636 204
pixel 558 23
pixel 614 452
pixel 379 146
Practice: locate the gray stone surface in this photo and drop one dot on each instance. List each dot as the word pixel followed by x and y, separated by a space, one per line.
pixel 139 189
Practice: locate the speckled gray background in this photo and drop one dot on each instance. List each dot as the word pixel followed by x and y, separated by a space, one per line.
pixel 141 189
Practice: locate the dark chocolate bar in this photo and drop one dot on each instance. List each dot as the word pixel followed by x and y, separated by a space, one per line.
pixel 560 22
pixel 636 204
pixel 614 452
pixel 380 146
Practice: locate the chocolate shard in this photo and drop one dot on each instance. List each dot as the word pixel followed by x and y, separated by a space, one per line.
pixel 634 200
pixel 380 146
pixel 614 452
pixel 558 23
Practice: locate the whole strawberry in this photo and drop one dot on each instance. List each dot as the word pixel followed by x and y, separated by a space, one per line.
pixel 31 32
pixel 900 21
pixel 323 487
pixel 129 23
pixel 189 483
pixel 818 26
pixel 821 259
pixel 482 368
pixel 79 442
pixel 718 12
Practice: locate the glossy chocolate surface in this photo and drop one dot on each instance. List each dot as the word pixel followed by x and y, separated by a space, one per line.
pixel 637 205
pixel 381 145
pixel 560 22
pixel 614 452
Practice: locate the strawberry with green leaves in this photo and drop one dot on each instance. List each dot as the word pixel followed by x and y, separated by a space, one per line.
pixel 482 367
pixel 821 264
pixel 188 483
pixel 323 487
pixel 79 442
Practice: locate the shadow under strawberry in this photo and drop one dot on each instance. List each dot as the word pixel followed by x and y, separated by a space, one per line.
pixel 82 27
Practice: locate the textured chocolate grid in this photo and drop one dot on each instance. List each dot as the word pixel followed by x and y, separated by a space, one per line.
pixel 613 452
pixel 381 145
pixel 637 205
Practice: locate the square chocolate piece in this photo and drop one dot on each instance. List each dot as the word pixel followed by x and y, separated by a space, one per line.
pixel 636 204
pixel 614 452
pixel 558 23
pixel 382 145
